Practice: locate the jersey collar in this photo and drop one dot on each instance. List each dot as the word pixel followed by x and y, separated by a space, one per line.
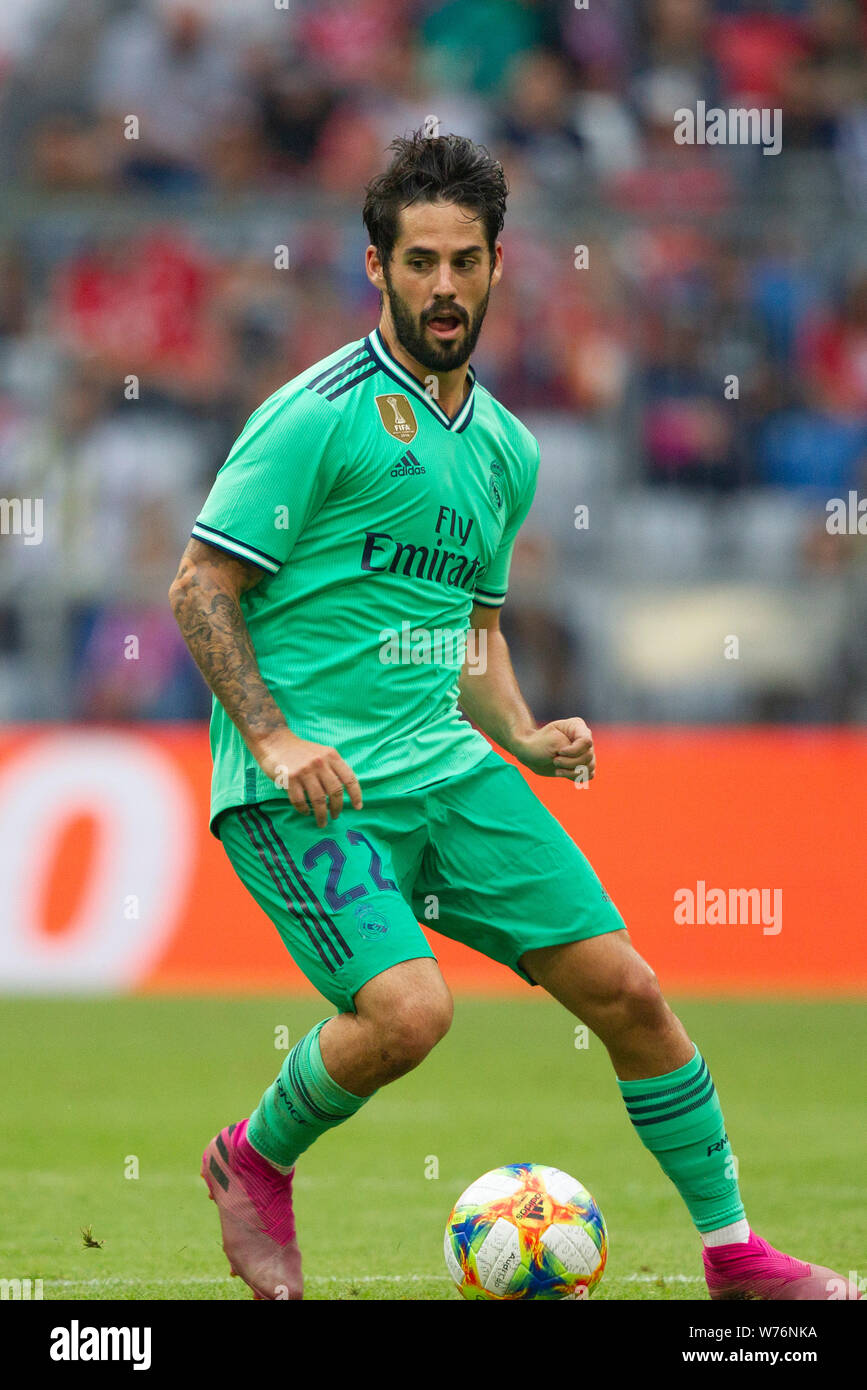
pixel 393 368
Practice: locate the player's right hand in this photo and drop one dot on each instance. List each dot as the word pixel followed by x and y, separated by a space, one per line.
pixel 312 775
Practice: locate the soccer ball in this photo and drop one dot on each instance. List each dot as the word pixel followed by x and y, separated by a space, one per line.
pixel 526 1231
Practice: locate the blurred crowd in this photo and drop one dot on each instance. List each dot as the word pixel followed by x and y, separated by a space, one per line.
pixel 254 94
pixel 181 234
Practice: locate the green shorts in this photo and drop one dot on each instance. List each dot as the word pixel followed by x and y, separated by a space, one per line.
pixel 475 857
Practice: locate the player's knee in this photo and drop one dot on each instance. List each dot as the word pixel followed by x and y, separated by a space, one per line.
pixel 412 1029
pixel 640 995
pixel 405 1011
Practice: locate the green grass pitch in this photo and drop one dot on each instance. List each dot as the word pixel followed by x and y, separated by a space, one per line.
pixel 97 1088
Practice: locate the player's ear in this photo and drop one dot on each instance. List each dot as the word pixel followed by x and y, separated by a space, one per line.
pixel 497 266
pixel 373 267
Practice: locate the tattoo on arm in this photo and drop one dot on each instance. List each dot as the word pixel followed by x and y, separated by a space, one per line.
pixel 205 601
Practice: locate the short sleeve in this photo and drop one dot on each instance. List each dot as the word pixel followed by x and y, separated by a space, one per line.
pixel 281 468
pixel 493 585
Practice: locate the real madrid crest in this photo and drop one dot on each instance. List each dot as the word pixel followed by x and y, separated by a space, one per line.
pixel 496 484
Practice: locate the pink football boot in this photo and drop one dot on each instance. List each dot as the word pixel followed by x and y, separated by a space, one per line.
pixel 255 1206
pixel 755 1270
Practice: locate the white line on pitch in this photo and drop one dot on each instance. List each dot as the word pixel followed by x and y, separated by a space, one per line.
pixel 344 1279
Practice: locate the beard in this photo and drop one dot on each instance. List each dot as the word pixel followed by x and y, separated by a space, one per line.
pixel 410 331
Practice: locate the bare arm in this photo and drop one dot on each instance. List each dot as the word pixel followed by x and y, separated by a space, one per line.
pixel 491 698
pixel 205 599
pixel 489 693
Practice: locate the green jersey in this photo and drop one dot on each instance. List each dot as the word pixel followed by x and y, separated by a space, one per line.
pixel 378 522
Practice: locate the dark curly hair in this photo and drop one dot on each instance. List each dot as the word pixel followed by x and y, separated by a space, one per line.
pixel 429 168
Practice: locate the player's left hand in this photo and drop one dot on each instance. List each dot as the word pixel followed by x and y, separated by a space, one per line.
pixel 563 748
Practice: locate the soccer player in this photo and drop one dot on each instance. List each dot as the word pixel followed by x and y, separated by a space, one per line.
pixel 341 595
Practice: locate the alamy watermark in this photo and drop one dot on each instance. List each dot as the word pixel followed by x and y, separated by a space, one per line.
pixel 20 1289
pixel 77 1343
pixel 711 907
pixel 438 646
pixel 846 516
pixel 838 1287
pixel 739 125
pixel 22 516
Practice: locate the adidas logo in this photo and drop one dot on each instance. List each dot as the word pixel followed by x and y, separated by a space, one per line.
pixel 532 1210
pixel 408 463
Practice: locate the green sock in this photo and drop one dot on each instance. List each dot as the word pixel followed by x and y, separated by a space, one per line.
pixel 303 1103
pixel 679 1119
